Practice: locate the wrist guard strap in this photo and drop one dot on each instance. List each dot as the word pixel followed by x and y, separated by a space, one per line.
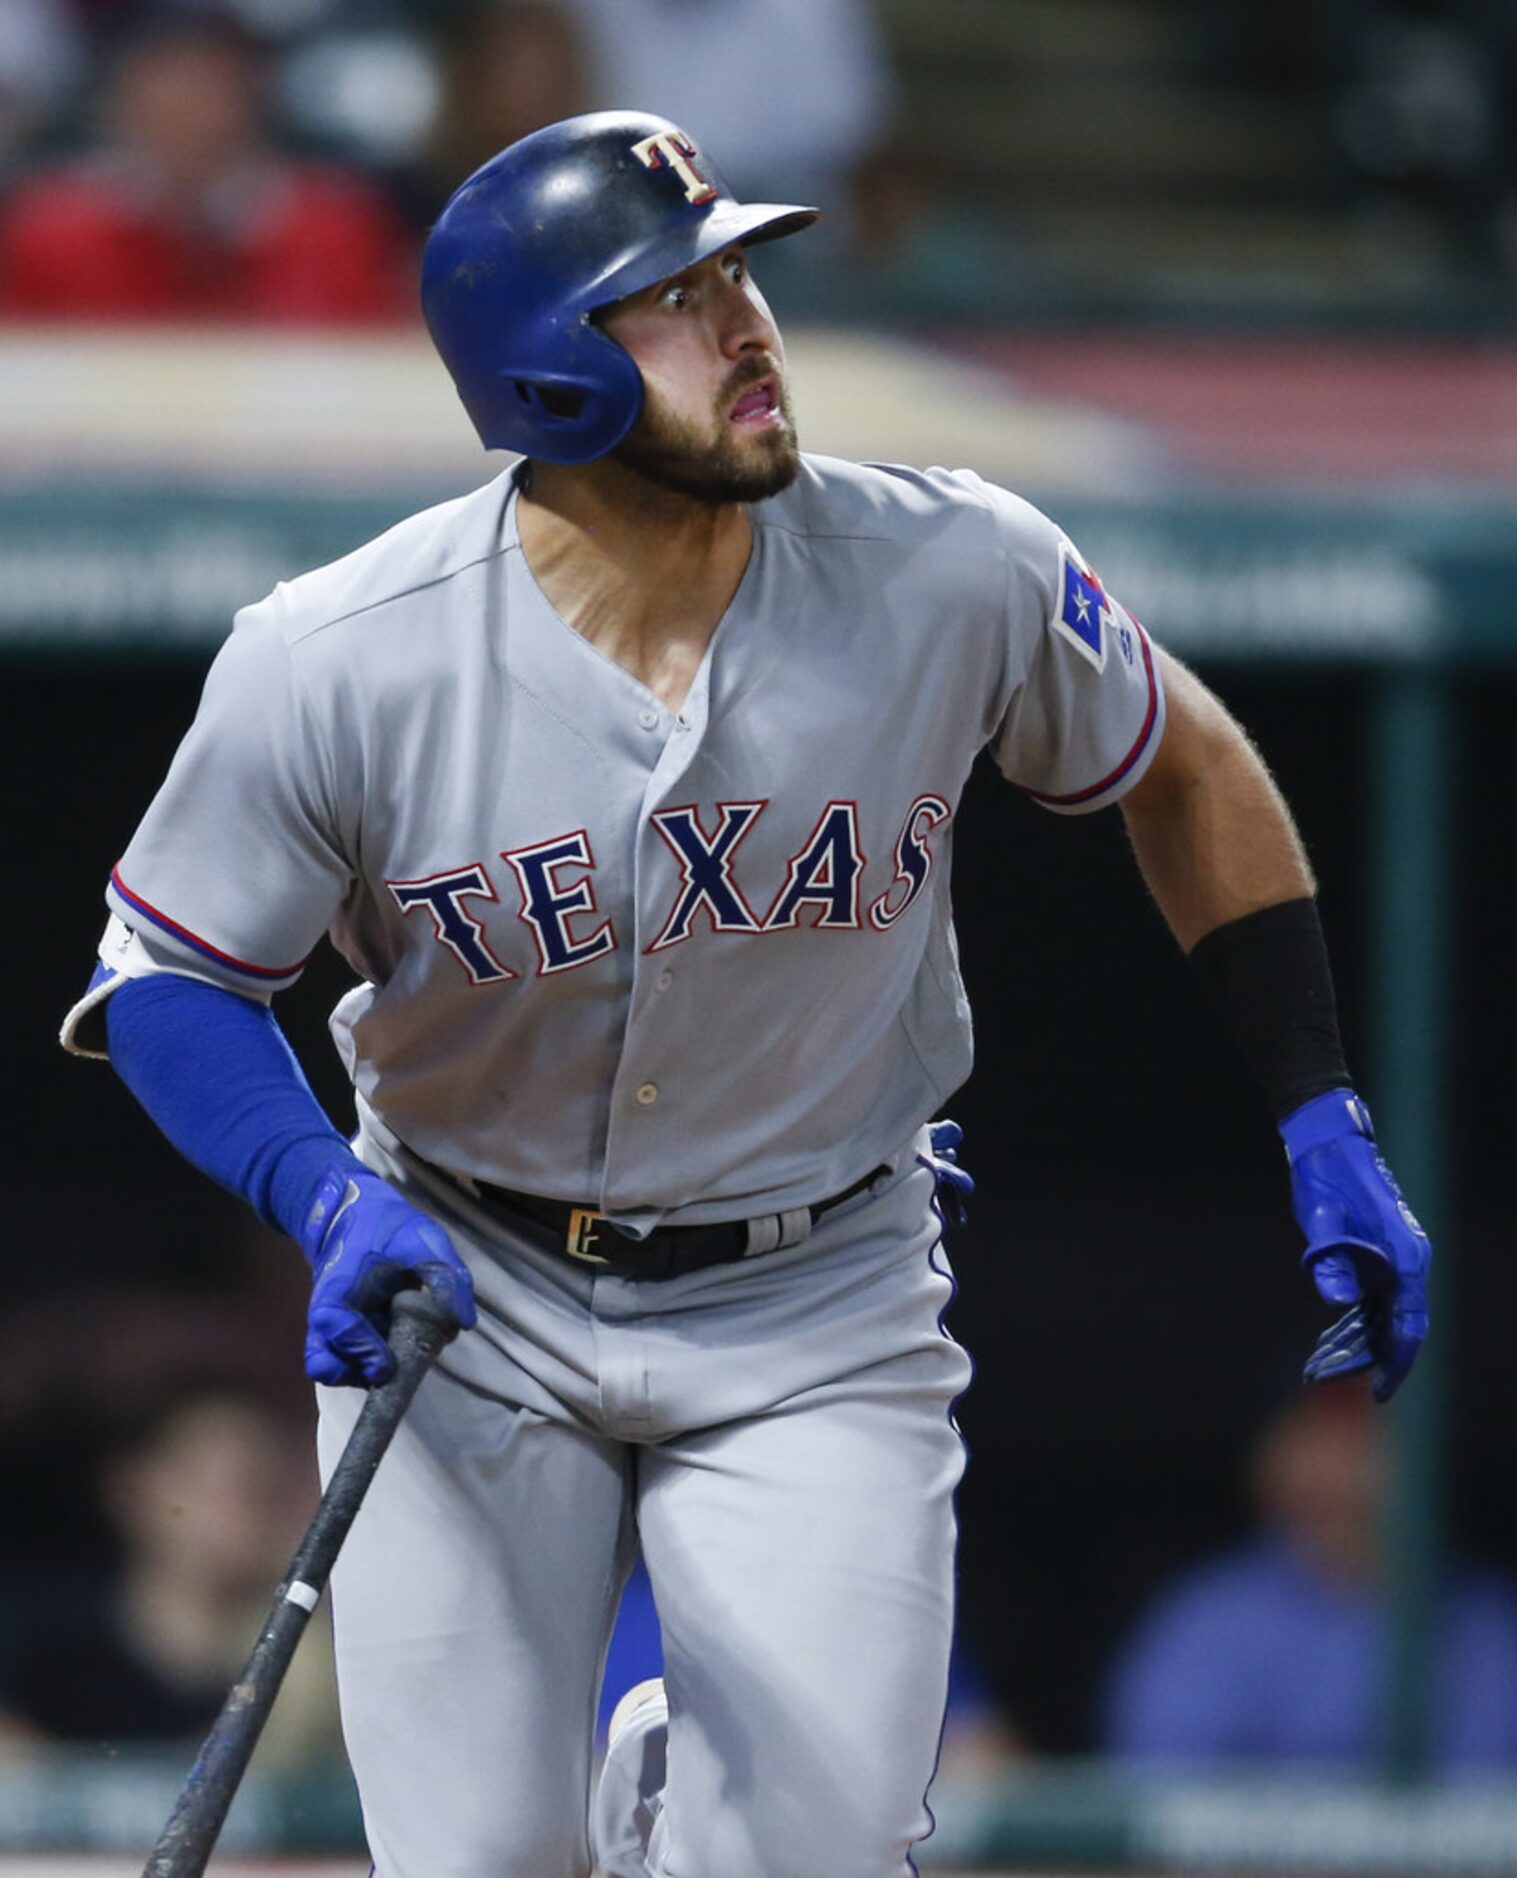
pixel 1268 974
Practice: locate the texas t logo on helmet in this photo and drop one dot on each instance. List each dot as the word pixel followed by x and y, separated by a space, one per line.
pixel 674 150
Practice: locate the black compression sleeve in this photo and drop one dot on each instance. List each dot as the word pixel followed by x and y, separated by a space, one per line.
pixel 1268 974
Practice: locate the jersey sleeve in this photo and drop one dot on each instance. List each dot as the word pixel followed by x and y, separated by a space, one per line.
pixel 1086 710
pixel 125 954
pixel 240 863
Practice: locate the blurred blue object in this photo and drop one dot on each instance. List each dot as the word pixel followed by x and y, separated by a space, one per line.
pixel 1256 1657
pixel 1282 1651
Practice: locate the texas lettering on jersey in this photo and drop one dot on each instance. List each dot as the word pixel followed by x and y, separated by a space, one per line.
pixel 823 886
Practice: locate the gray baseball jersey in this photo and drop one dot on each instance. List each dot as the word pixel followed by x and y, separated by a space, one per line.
pixel 686 966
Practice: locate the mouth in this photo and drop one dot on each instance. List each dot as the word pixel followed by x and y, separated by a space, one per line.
pixel 759 406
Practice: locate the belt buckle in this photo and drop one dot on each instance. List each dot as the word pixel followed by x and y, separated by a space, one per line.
pixel 581 1234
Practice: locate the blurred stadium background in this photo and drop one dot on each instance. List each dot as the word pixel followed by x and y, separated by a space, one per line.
pixel 1228 287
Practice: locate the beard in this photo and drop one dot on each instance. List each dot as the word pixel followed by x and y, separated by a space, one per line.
pixel 715 465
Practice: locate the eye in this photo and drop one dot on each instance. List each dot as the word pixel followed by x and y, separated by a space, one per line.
pixel 737 268
pixel 676 294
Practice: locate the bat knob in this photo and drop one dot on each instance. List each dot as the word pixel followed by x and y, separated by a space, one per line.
pixel 423 1322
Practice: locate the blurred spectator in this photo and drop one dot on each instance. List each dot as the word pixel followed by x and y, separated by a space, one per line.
pixel 370 93
pixel 1418 117
pixel 507 69
pixel 791 92
pixel 187 209
pixel 1275 1652
pixel 206 1495
pixel 41 53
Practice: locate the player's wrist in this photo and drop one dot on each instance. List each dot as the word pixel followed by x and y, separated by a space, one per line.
pixel 1335 1115
pixel 1268 975
pixel 309 1186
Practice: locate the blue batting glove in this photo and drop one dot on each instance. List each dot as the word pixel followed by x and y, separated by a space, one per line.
pixel 365 1243
pixel 1364 1247
pixel 955 1183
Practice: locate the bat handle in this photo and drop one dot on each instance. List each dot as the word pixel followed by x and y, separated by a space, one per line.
pixel 421 1327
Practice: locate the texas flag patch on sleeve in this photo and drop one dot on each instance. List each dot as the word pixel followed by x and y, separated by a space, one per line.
pixel 1084 611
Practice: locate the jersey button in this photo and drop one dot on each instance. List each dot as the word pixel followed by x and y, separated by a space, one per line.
pixel 648 717
pixel 664 980
pixel 648 1094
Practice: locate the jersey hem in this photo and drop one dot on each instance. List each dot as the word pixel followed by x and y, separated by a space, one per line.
pixel 456 1186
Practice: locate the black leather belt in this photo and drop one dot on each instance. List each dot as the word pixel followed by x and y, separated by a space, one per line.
pixel 588 1237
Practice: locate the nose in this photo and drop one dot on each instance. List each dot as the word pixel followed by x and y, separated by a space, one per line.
pixel 746 322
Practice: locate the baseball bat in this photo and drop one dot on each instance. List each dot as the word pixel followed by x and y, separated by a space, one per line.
pixel 420 1330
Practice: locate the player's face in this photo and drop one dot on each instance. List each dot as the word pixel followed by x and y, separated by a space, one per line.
pixel 716 423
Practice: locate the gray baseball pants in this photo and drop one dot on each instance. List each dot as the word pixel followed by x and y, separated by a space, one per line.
pixel 777 1434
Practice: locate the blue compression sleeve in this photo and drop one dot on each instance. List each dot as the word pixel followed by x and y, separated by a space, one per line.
pixel 214 1071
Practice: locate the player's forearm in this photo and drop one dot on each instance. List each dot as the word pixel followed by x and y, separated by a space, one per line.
pixel 1220 853
pixel 1210 830
pixel 214 1072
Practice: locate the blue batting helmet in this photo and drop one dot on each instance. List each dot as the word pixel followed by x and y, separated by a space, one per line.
pixel 566 221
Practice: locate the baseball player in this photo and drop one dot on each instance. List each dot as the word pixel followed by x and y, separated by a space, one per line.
pixel 626 785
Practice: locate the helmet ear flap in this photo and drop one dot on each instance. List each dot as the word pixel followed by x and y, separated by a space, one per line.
pixel 564 417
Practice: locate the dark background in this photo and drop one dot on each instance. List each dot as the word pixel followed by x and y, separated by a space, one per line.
pixel 1128 1282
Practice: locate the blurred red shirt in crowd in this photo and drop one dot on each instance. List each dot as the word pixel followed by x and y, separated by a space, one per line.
pixel 187 210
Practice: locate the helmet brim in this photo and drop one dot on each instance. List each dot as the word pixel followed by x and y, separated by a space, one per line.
pixel 728 225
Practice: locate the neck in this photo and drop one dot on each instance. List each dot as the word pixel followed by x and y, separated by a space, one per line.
pixel 643 573
pixel 604 515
